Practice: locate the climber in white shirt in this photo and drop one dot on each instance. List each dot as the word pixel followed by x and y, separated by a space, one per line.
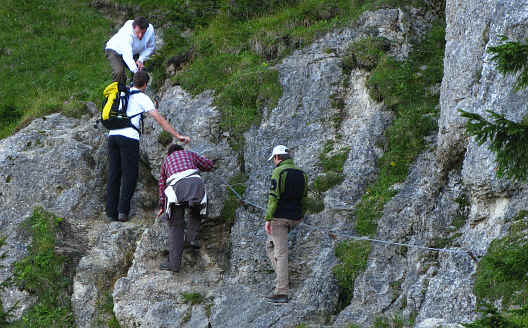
pixel 134 39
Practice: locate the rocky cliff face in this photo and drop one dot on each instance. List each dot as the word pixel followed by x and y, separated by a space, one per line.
pixel 59 163
pixel 438 287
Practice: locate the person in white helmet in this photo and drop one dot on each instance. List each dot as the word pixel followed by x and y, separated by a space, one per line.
pixel 286 208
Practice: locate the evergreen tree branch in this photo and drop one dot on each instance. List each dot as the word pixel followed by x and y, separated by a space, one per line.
pixel 512 57
pixel 507 139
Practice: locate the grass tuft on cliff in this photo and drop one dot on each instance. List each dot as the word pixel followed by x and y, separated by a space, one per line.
pixel 502 280
pixel 406 88
pixel 353 256
pixel 41 273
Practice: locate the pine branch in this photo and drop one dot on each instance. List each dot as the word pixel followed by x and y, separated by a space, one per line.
pixel 507 139
pixel 512 57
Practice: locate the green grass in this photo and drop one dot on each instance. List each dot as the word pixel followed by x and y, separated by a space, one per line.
pixel 165 138
pixel 335 162
pixel 502 274
pixel 403 87
pixel 365 53
pixel 233 52
pixel 106 316
pixel 314 204
pixel 61 62
pixel 326 181
pixel 353 256
pixel 492 318
pixel 41 273
pixel 192 298
pixel 332 176
pixel 461 215
pixel 502 277
pixel 52 59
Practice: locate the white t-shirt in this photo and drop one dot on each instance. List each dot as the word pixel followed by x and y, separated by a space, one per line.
pixel 137 103
pixel 126 43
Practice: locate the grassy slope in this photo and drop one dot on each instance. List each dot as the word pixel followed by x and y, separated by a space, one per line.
pixel 52 50
pixel 52 58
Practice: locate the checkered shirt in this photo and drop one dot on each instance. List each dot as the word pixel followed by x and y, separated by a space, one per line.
pixel 180 161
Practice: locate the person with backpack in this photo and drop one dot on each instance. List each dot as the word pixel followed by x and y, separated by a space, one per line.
pixel 286 208
pixel 131 46
pixel 123 147
pixel 182 187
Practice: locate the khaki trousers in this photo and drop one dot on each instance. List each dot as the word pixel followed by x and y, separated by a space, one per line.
pixel 118 66
pixel 277 251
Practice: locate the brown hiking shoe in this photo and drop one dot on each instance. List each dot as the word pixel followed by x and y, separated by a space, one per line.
pixel 277 299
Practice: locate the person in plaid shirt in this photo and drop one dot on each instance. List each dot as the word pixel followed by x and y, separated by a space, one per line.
pixel 182 187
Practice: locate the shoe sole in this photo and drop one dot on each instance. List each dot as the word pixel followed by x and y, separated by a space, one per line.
pixel 275 302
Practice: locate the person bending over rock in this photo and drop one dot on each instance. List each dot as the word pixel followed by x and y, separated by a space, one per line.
pixel 123 151
pixel 131 46
pixel 181 187
pixel 286 208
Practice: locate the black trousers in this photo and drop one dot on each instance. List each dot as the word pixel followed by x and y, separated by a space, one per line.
pixel 123 160
pixel 176 224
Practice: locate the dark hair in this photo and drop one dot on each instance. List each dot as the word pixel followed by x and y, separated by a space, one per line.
pixel 141 22
pixel 173 148
pixel 141 78
pixel 283 157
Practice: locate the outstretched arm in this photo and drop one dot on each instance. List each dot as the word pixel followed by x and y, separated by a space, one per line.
pixel 128 57
pixel 150 46
pixel 202 163
pixel 167 127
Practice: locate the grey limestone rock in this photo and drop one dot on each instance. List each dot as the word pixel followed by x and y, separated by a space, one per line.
pixel 234 287
pixel 57 163
pixel 195 117
pixel 52 163
pixel 451 199
pixel 149 297
pixel 99 269
pixel 437 323
pixel 455 180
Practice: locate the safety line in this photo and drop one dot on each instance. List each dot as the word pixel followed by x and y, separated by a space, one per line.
pixel 354 237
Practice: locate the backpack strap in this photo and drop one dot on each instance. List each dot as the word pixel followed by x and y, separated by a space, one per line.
pixel 130 93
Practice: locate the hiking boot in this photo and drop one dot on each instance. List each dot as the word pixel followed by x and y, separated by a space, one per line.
pixel 165 266
pixel 195 244
pixel 110 218
pixel 123 217
pixel 277 299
